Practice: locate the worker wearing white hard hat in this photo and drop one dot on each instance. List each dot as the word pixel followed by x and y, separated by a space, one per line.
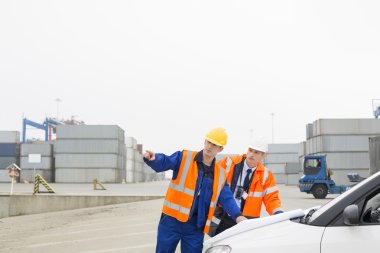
pixel 252 184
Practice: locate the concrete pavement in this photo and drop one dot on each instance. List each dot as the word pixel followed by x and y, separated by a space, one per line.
pixel 130 227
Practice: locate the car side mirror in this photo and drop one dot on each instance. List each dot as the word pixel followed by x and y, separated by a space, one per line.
pixel 351 215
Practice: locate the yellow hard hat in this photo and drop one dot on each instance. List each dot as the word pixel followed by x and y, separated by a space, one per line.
pixel 218 136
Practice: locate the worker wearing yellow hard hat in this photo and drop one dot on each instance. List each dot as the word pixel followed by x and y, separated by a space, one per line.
pixel 218 136
pixel 196 188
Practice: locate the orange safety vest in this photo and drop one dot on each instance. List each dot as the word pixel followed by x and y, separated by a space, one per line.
pixel 180 194
pixel 262 189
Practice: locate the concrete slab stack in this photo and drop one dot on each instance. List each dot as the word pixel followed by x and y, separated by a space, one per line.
pixel 283 161
pixel 87 152
pixel 139 165
pixel 131 144
pixel 136 170
pixel 45 168
pixel 345 143
pixel 9 152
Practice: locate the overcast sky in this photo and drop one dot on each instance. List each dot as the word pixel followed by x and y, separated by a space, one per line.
pixel 169 71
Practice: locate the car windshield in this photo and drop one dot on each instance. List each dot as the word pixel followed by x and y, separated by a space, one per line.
pixel 337 199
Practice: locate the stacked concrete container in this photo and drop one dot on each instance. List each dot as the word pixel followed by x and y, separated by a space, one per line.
pixel 345 143
pixel 283 161
pixel 45 168
pixel 374 154
pixel 130 167
pixel 87 152
pixel 9 152
pixel 139 167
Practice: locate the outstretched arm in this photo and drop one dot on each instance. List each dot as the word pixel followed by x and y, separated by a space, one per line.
pixel 160 162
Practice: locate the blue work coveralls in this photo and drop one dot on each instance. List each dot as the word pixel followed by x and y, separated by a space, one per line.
pixel 190 233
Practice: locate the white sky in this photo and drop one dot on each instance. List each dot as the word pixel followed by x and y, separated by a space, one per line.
pixel 168 71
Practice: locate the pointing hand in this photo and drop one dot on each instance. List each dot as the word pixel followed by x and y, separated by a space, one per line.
pixel 149 155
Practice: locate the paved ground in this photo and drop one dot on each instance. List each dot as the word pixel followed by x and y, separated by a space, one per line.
pixel 152 188
pixel 116 228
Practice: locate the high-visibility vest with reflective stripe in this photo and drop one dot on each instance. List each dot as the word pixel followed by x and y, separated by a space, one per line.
pixel 180 194
pixel 263 189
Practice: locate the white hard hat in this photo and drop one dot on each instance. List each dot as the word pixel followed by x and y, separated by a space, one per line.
pixel 259 144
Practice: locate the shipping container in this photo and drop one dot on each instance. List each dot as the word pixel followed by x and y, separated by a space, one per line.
pixel 130 154
pixel 283 148
pixel 131 142
pixel 4 176
pixel 29 174
pixel 338 143
pixel 9 137
pixel 46 163
pixel 8 160
pixel 281 158
pixel 374 154
pixel 97 146
pixel 139 167
pixel 280 178
pixel 347 126
pixel 130 177
pixel 354 160
pixel 292 179
pixel 293 168
pixel 138 156
pixel 130 165
pixel 78 175
pixel 309 131
pixel 276 167
pixel 90 132
pixel 9 149
pixel 340 175
pixel 87 161
pixel 44 149
pixel 302 149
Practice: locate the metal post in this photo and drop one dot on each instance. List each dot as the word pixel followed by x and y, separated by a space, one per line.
pixel 12 179
pixel 23 130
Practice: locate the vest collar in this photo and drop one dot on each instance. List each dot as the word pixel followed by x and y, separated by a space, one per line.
pixel 199 158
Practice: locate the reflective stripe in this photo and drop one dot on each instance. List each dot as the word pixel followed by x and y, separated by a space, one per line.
pixel 220 184
pixel 213 203
pixel 266 174
pixel 185 170
pixel 189 191
pixel 181 185
pixel 270 190
pixel 179 208
pixel 181 189
pixel 255 194
pixel 229 163
pixel 215 220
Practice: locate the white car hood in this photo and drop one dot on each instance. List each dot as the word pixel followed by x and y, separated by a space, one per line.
pixel 254 224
